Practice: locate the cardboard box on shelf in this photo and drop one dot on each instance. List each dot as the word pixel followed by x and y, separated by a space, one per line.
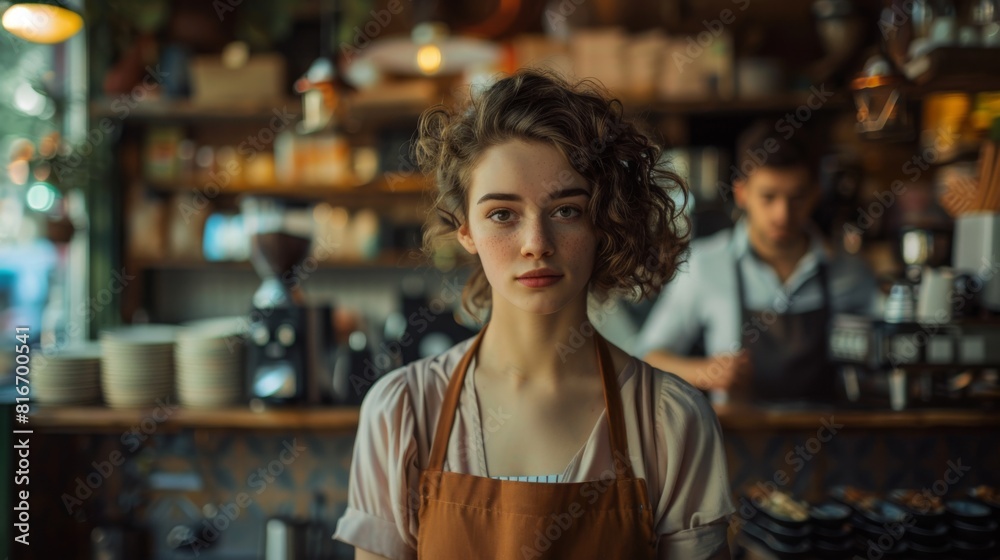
pixel 260 80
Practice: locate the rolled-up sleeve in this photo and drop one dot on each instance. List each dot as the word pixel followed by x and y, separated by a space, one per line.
pixel 381 496
pixel 696 501
pixel 674 322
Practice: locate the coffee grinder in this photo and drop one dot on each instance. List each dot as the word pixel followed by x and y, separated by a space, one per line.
pixel 290 342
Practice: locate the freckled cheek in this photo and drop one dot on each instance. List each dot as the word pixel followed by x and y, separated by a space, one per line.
pixel 581 244
pixel 496 245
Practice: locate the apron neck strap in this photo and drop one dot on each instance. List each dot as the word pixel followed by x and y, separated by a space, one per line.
pixel 612 400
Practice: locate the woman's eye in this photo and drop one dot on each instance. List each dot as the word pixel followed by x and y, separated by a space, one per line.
pixel 568 212
pixel 503 214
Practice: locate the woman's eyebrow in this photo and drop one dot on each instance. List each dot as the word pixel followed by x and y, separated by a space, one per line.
pixel 555 195
pixel 499 196
pixel 567 193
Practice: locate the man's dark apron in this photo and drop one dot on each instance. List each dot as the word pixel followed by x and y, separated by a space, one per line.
pixel 788 351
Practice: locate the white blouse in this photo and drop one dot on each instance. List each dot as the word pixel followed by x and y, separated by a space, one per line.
pixel 674 440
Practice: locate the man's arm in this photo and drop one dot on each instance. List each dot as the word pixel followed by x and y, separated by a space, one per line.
pixel 673 323
pixel 685 367
pixel 723 371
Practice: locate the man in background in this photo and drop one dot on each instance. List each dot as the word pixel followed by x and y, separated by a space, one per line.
pixel 760 296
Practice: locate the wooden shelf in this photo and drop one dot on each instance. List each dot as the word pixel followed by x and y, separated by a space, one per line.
pixel 185 110
pixel 731 417
pixel 410 109
pixel 102 419
pixel 779 103
pixel 392 259
pixel 746 417
pixel 408 190
pixel 357 109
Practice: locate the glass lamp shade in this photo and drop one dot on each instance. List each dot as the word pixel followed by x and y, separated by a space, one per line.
pixel 41 22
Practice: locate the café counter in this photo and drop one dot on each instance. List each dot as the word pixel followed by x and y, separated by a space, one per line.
pixel 734 418
pixel 805 451
pixel 178 459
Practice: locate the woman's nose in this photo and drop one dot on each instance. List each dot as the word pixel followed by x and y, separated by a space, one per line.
pixel 537 239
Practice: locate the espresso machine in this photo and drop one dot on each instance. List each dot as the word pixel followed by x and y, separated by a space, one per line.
pixel 290 341
pixel 938 340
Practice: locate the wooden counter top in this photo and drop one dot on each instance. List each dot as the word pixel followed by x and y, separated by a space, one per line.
pixel 746 417
pixel 103 419
pixel 733 417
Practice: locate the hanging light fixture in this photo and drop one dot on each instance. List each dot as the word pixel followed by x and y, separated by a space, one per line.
pixel 432 49
pixel 45 21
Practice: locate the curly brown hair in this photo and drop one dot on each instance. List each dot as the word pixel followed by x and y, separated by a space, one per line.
pixel 642 233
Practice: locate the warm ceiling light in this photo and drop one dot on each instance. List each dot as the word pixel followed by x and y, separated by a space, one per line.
pixel 42 23
pixel 429 59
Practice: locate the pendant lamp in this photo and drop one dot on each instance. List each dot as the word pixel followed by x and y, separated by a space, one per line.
pixel 42 21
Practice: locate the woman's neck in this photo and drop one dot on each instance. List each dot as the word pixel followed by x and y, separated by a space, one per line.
pixel 538 349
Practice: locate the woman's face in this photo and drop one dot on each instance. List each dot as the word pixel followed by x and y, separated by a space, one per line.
pixel 527 211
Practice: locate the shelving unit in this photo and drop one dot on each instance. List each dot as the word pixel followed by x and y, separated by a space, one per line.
pixel 788 101
pixel 90 419
pixel 388 259
pixel 409 189
pixel 172 110
pixel 732 417
pixel 399 197
pixel 359 107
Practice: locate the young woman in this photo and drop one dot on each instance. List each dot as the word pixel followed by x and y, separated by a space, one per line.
pixel 537 438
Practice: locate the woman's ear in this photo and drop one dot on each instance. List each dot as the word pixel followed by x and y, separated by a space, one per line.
pixel 465 238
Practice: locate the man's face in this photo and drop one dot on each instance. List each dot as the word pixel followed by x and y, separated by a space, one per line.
pixel 778 203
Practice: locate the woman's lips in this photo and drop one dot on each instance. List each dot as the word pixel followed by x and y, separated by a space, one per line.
pixel 539 281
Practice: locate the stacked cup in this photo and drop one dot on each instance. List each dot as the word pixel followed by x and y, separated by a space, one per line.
pixel 137 365
pixel 70 375
pixel 209 357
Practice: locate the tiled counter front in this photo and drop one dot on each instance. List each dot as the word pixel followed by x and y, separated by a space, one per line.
pixel 93 464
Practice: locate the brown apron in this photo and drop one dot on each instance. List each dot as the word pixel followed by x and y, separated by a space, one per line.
pixel 465 517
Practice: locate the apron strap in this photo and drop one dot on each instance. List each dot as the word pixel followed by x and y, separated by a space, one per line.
pixel 612 400
pixel 447 416
pixel 824 280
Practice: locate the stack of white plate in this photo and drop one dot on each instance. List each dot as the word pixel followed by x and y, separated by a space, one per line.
pixel 209 357
pixel 137 365
pixel 69 375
